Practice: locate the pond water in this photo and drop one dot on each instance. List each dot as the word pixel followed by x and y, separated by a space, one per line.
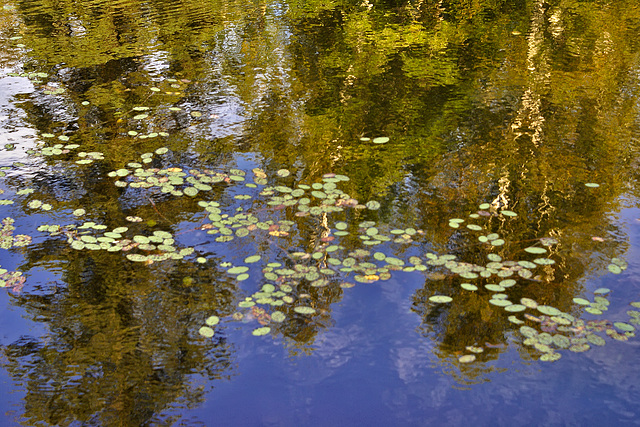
pixel 319 213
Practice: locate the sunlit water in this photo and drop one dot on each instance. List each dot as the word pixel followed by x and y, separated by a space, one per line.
pixel 517 106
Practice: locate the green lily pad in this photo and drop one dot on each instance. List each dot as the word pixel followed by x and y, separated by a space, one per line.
pixel 278 316
pixel 515 320
pixel 261 331
pixel 467 358
pixel 373 205
pixel 206 332
pixel 528 331
pixel 441 299
pixel 381 140
pixel 212 321
pixel 304 310
pixel 548 310
pixel 550 356
pixel 615 269
pixel 535 250
pixel 625 327
pixel 252 259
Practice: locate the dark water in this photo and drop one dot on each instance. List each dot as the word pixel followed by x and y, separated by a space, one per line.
pixel 139 114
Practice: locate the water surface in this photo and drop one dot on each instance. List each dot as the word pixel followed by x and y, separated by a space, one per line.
pixel 303 181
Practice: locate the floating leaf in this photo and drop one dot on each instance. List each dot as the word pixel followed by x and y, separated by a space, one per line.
pixel 508 213
pixel 507 283
pixel 238 270
pixel 380 140
pixel 206 332
pixel 278 316
pixel 252 259
pixel 551 356
pixel 592 185
pixel 469 287
pixel 304 310
pixel 615 269
pixel 528 331
pixel 213 320
pixel 625 327
pixel 515 320
pixel 548 310
pixel 373 205
pixel 35 204
pixel 261 331
pixel 441 299
pixel 467 358
pixel 535 250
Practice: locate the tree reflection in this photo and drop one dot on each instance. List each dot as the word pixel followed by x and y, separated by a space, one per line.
pixel 483 103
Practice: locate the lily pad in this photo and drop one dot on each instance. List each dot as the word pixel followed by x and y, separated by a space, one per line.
pixel 467 358
pixel 373 205
pixel 625 327
pixel 441 299
pixel 212 320
pixel 261 331
pixel 238 270
pixel 615 269
pixel 304 310
pixel 278 316
pixel 535 250
pixel 206 332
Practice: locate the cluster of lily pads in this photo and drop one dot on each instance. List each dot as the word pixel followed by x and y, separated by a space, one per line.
pixel 7 239
pixel 328 259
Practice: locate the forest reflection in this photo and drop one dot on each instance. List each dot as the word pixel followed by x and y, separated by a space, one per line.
pixel 515 104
